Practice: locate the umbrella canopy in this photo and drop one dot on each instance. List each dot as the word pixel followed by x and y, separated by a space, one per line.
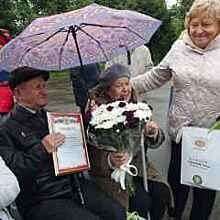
pixel 88 35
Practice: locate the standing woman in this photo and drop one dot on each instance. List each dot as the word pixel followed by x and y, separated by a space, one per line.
pixel 193 64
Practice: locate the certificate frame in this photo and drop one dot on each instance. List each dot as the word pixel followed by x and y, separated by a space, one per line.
pixel 65 122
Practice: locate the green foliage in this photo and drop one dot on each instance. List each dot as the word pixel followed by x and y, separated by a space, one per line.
pixel 178 13
pixel 215 126
pixel 164 37
pixel 7 15
pixel 17 14
pixel 59 74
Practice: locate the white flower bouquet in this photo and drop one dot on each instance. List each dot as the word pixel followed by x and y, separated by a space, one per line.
pixel 118 127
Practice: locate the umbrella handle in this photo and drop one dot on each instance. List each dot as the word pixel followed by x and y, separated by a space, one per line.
pixel 144 167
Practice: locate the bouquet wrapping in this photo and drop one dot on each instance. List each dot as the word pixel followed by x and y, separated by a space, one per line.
pixel 216 124
pixel 117 127
pixel 134 216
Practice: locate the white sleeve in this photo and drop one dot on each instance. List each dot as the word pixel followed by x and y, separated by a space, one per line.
pixel 9 188
pixel 157 76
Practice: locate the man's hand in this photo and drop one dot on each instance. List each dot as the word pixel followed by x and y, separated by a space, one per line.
pixel 52 141
pixel 118 159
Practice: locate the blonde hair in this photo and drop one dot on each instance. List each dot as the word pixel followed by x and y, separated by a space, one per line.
pixel 206 8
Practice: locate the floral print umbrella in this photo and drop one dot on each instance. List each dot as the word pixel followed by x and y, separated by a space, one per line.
pixel 88 35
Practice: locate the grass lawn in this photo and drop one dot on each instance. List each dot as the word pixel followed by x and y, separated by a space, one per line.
pixel 58 74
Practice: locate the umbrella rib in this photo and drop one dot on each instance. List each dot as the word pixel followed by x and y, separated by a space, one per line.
pixel 113 26
pixel 32 35
pixel 98 42
pixel 61 50
pixel 48 38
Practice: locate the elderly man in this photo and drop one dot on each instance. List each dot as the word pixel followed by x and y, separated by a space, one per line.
pixel 26 147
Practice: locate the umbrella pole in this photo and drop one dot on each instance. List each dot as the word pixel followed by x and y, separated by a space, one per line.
pixel 144 167
pixel 82 71
pixel 73 31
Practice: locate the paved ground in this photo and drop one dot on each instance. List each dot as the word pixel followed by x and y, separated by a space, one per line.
pixel 61 99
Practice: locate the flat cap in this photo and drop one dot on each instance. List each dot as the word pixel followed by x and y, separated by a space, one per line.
pixel 24 74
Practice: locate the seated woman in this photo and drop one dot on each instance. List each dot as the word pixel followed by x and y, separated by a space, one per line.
pixel 114 84
pixel 9 190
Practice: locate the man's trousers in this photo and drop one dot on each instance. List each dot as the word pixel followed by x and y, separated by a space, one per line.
pixel 97 206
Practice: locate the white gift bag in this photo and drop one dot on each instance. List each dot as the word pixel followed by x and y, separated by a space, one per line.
pixel 200 164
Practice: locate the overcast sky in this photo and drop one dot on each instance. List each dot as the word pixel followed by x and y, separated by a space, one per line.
pixel 170 2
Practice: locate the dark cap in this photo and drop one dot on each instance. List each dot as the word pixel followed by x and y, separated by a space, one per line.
pixel 113 73
pixel 24 74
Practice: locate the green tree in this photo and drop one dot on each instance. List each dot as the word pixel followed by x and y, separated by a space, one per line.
pixel 7 16
pixel 178 13
pixel 164 37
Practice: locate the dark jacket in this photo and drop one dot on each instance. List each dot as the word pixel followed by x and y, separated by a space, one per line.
pixel 23 152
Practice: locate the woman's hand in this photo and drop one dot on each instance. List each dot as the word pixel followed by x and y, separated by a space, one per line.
pixel 91 105
pixel 118 159
pixel 151 129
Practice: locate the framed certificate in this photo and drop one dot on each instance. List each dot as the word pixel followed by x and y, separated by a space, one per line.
pixel 72 155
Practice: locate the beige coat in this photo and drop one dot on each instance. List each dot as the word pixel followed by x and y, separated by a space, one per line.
pixel 196 80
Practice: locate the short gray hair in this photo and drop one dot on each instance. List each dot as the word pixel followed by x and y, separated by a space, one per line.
pixel 209 8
